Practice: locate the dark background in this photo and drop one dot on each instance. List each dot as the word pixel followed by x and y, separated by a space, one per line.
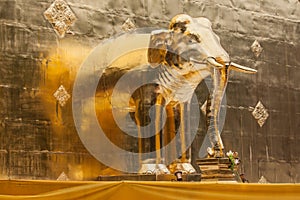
pixel 38 139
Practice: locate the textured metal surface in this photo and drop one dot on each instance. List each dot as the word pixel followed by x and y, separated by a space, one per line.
pixel 38 139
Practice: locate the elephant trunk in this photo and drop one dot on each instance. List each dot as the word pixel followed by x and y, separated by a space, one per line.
pixel 220 79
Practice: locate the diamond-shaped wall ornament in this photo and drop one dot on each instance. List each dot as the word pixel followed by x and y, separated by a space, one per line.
pixel 128 25
pixel 61 95
pixel 203 107
pixel 262 180
pixel 61 17
pixel 260 113
pixel 62 177
pixel 256 48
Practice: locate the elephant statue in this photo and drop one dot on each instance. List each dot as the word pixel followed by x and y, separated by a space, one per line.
pixel 141 84
pixel 191 49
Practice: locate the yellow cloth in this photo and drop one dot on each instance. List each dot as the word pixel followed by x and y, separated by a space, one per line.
pixel 134 190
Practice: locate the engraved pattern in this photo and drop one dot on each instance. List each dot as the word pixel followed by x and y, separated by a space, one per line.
pixel 61 17
pixel 256 48
pixel 128 25
pixel 260 113
pixel 61 95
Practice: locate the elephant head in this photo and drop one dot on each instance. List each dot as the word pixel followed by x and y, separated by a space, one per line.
pixel 187 53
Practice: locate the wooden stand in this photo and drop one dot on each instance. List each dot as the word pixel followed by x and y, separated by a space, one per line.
pixel 217 169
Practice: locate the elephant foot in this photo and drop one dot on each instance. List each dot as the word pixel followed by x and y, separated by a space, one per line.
pixel 215 152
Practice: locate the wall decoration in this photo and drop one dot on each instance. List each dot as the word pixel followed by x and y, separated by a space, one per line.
pixel 260 113
pixel 256 48
pixel 61 17
pixel 61 95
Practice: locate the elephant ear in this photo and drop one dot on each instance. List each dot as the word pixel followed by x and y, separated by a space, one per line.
pixel 180 22
pixel 158 44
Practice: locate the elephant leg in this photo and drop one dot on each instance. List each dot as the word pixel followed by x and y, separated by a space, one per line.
pixel 182 133
pixel 170 132
pixel 138 123
pixel 159 100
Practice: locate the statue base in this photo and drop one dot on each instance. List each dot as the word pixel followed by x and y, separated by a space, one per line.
pixel 185 168
pixel 149 168
pixel 217 169
pixel 157 172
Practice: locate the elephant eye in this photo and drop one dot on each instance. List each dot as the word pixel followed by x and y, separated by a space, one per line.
pixel 194 38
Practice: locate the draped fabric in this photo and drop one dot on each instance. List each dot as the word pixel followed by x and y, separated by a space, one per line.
pixel 133 190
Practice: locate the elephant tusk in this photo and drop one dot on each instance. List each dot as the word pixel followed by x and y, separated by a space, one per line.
pixel 196 61
pixel 213 61
pixel 241 68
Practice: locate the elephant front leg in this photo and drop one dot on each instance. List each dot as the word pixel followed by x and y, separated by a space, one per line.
pixel 182 133
pixel 157 128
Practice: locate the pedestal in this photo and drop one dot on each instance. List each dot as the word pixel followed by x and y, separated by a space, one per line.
pixel 149 177
pixel 217 169
pixel 148 168
pixel 185 168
